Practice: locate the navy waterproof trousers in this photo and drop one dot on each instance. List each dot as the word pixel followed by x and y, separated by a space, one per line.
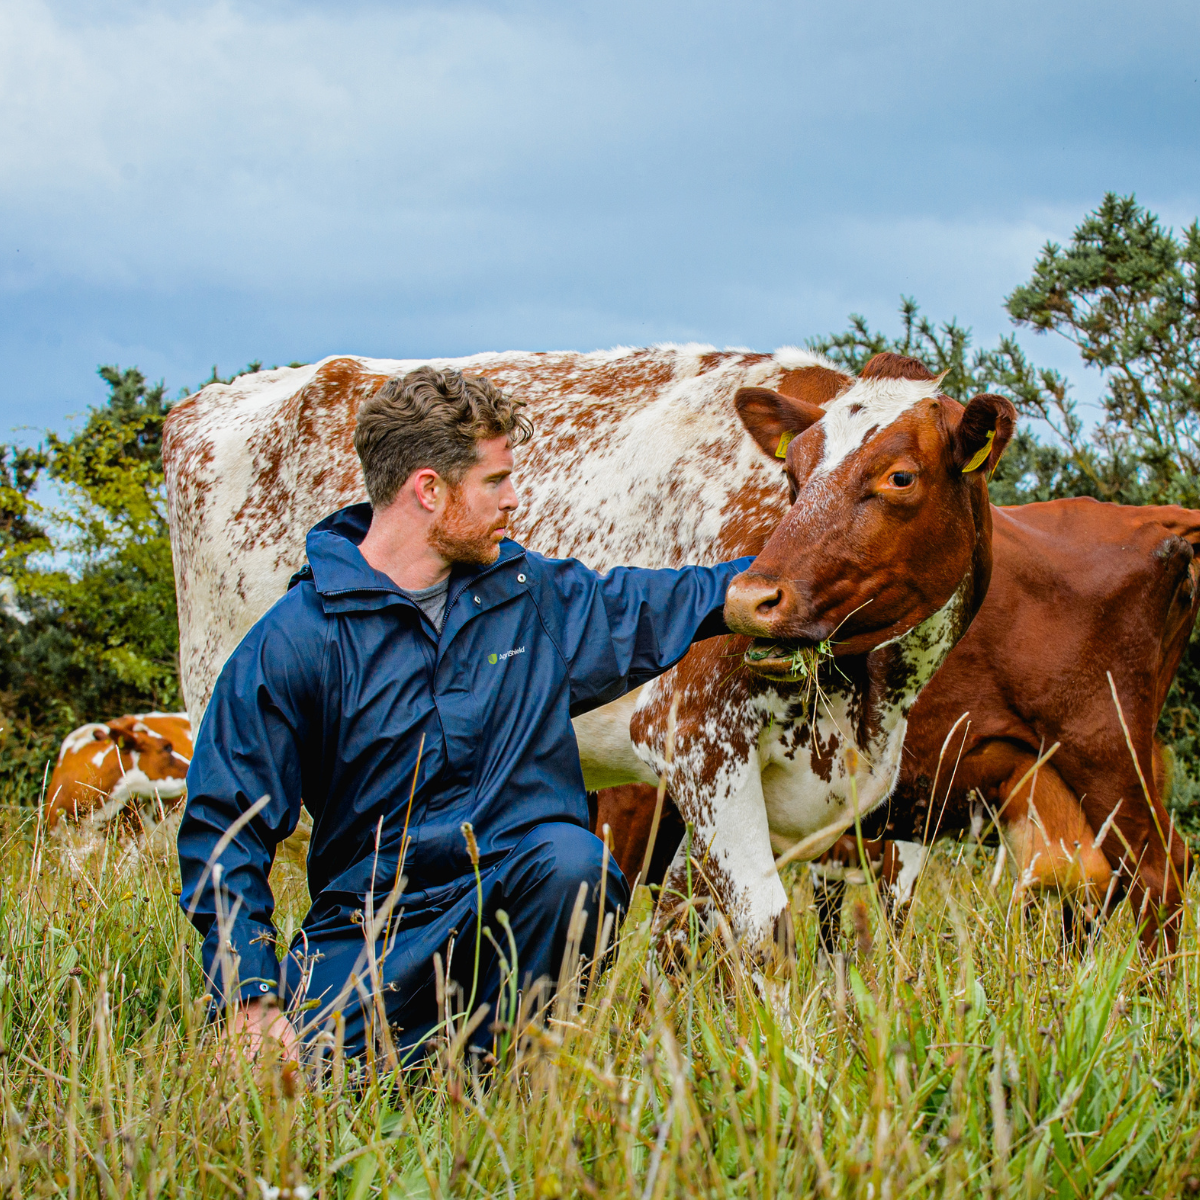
pixel 535 884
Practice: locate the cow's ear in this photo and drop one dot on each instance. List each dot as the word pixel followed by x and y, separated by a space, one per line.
pixel 121 733
pixel 986 426
pixel 772 420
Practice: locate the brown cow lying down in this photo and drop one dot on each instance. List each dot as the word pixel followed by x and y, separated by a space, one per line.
pixel 1079 590
pixel 101 767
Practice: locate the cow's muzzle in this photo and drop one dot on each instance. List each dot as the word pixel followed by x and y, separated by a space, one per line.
pixel 754 604
pixel 763 606
pixel 786 644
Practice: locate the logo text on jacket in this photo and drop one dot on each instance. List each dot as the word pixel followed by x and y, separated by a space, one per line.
pixel 495 658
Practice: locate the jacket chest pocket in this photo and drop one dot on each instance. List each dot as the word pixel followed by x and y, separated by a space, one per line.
pixel 485 682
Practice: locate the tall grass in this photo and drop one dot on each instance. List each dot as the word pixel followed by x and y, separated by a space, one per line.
pixel 969 1056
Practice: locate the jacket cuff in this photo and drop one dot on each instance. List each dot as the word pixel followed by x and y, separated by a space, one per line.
pixel 713 625
pixel 256 968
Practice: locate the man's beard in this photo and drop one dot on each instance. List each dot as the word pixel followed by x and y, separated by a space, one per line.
pixel 459 539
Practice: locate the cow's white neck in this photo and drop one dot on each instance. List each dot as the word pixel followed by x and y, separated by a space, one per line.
pixel 869 405
pixel 915 657
pixel 810 783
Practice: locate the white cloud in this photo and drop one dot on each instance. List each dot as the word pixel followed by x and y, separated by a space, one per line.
pixel 183 183
pixel 201 139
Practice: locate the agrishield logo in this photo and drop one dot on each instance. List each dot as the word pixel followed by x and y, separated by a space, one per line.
pixel 495 658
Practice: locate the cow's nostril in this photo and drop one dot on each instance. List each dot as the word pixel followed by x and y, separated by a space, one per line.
pixel 755 605
pixel 767 603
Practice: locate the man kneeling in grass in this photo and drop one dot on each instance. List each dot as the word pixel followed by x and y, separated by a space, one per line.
pixel 420 674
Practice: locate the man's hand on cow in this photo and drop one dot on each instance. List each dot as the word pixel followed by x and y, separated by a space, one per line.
pixel 255 1022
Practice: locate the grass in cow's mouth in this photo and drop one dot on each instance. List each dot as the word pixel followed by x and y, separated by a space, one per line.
pixel 967 1057
pixel 806 661
pixel 788 660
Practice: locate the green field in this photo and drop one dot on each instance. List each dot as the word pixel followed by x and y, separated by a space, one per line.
pixel 970 1056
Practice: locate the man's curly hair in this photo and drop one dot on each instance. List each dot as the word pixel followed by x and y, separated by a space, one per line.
pixel 431 418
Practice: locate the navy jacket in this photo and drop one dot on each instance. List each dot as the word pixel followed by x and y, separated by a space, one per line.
pixel 328 698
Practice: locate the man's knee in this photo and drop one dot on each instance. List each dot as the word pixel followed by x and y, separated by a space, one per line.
pixel 557 858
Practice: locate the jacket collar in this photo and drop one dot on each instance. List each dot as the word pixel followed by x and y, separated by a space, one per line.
pixel 340 571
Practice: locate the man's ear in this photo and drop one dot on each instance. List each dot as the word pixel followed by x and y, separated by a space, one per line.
pixel 773 420
pixel 986 426
pixel 424 483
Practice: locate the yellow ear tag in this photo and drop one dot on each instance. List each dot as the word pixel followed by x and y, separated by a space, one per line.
pixel 785 440
pixel 977 460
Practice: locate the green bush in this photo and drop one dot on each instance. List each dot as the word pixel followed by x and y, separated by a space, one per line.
pixel 88 627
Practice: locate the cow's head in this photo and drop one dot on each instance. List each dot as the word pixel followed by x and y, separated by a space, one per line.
pixel 157 758
pixel 889 508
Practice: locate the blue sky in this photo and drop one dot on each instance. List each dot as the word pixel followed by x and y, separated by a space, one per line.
pixel 190 184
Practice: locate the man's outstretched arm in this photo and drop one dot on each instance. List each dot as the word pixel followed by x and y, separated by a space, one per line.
pixel 633 623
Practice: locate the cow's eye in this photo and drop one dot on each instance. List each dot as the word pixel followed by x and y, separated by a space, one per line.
pixel 902 479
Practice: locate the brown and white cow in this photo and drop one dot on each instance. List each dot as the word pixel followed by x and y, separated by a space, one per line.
pixel 1081 592
pixel 102 767
pixel 642 457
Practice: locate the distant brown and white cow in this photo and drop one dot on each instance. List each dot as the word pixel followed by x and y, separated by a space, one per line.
pixel 880 553
pixel 102 767
pixel 1081 591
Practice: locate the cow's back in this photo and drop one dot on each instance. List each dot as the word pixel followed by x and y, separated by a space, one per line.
pixel 638 458
pixel 1080 589
pixel 91 766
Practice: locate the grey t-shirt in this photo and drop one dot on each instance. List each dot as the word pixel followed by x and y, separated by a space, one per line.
pixel 431 601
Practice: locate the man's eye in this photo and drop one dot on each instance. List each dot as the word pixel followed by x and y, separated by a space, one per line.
pixel 901 479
